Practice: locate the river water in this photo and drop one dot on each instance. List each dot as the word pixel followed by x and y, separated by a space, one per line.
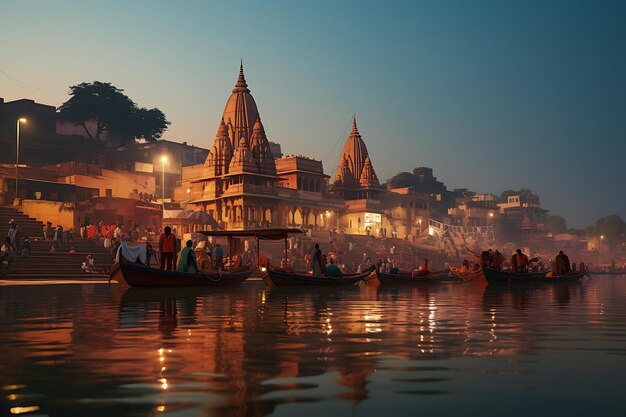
pixel 441 349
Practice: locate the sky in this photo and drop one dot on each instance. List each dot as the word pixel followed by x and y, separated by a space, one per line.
pixel 493 95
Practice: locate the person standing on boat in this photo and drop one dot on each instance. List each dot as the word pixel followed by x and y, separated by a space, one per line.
pixel 562 265
pixel 167 243
pixel 188 259
pixel 497 260
pixel 317 261
pixel 485 258
pixel 519 262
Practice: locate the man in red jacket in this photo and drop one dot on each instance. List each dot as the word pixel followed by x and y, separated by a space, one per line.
pixel 167 244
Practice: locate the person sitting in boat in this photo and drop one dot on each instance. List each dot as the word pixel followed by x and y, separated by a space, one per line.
pixel 465 266
pixel 422 270
pixel 188 259
pixel 218 253
pixel 332 270
pixel 519 262
pixel 562 265
pixel 394 270
pixel 203 261
pixel 236 265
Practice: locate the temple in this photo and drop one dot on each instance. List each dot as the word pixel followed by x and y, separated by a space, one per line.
pixel 242 184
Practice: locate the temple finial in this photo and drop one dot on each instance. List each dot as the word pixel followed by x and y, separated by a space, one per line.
pixel 241 84
pixel 354 128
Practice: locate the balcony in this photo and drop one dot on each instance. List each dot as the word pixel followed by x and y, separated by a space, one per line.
pixel 235 190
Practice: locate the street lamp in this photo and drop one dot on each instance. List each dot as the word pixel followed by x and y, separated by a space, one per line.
pixel 420 222
pixel 163 161
pixel 17 151
pixel 601 248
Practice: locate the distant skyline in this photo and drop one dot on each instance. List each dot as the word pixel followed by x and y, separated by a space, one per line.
pixel 492 95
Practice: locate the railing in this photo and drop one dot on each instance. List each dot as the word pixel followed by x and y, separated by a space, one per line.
pixel 237 189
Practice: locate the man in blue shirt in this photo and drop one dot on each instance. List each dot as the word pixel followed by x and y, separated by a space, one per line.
pixel 218 253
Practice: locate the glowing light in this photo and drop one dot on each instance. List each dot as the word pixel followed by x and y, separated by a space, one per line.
pixel 20 410
pixel 164 159
pixel 601 237
pixel 263 269
pixel 12 397
pixel 161 351
pixel 160 408
pixel 22 120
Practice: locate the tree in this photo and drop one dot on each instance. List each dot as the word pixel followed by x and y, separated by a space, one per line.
pixel 613 229
pixel 556 224
pixel 113 113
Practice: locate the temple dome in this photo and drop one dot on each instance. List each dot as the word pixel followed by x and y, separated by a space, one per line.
pixel 355 152
pixel 243 160
pixel 368 176
pixel 260 147
pixel 344 177
pixel 240 111
pixel 221 153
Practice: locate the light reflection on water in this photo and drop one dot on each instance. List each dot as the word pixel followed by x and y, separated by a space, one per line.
pixel 100 350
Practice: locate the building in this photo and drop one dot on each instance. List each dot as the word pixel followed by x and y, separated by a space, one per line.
pixel 242 184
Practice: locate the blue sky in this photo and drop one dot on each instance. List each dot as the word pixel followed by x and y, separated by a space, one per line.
pixel 491 94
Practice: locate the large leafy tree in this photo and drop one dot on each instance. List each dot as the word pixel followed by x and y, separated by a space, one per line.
pixel 612 227
pixel 556 224
pixel 113 113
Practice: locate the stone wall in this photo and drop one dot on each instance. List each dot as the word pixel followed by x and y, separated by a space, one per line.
pixel 48 211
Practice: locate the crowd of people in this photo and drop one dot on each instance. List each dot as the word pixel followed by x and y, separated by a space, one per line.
pixel 201 256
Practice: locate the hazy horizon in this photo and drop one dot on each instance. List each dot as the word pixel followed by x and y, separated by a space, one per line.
pixel 491 95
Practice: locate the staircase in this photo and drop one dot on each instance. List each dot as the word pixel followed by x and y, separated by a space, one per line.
pixel 43 264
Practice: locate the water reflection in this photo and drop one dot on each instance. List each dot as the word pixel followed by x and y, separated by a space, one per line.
pixel 253 351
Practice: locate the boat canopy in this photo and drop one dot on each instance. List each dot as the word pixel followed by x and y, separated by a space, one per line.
pixel 261 234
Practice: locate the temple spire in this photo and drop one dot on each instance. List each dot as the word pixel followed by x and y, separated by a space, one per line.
pixel 241 84
pixel 355 130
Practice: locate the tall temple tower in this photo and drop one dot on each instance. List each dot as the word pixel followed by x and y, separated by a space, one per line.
pixel 357 184
pixel 238 181
pixel 355 177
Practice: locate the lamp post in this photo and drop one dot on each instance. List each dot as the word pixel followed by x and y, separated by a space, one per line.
pixel 17 151
pixel 601 249
pixel 163 161
pixel 420 222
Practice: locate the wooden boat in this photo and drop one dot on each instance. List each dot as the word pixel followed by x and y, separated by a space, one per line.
pixel 493 276
pixel 136 275
pixel 280 277
pixel 404 278
pixel 466 276
pixel 571 277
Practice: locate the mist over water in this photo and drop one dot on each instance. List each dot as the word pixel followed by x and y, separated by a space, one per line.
pixel 470 349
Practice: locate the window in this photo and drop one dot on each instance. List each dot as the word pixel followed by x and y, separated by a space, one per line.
pixel 109 192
